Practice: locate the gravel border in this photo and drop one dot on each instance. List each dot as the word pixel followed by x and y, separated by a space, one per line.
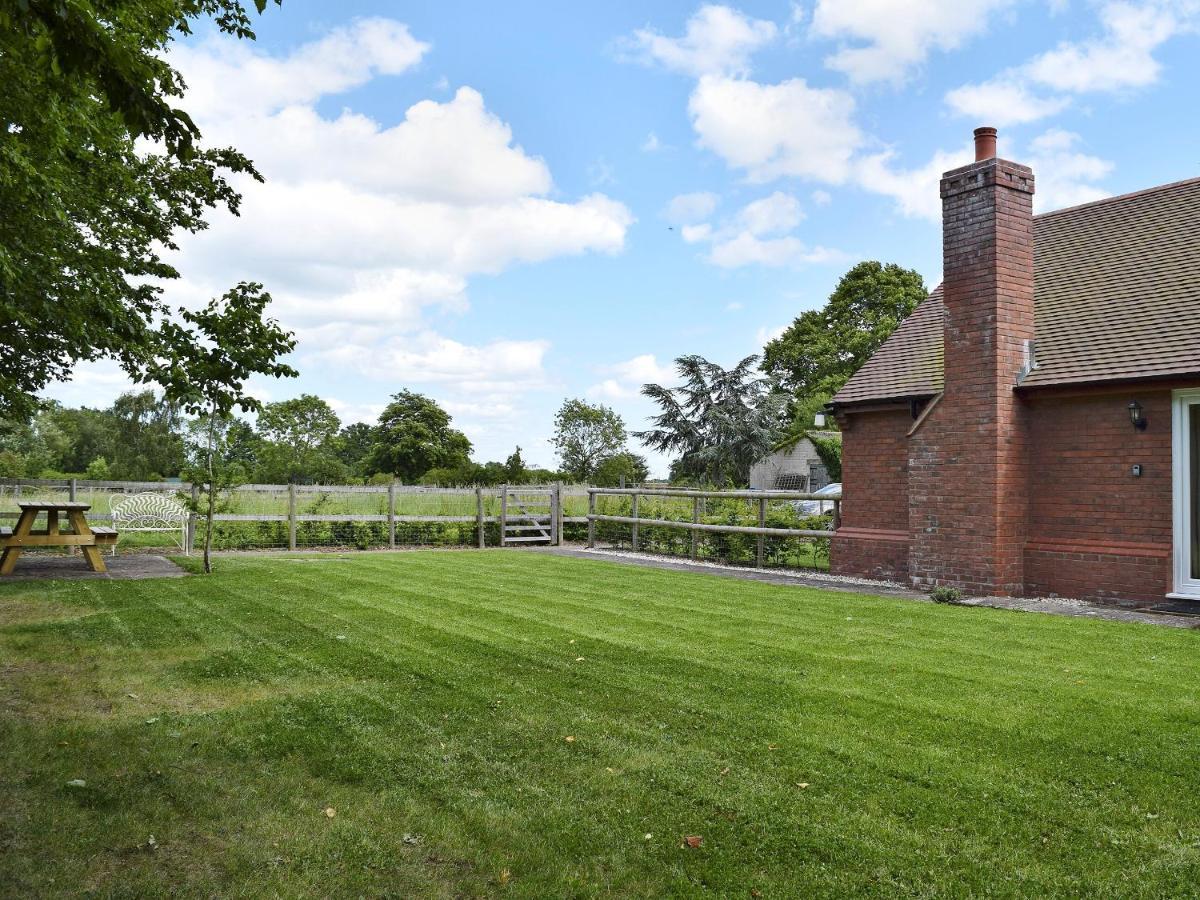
pixel 1058 606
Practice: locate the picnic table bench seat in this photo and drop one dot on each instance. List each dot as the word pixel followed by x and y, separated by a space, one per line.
pixel 105 534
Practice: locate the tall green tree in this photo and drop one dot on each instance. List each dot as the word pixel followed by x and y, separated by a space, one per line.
pixel 88 208
pixel 147 437
pixel 626 466
pixel 414 436
pixel 585 433
pixel 353 446
pixel 299 437
pixel 718 422
pixel 822 348
pixel 208 357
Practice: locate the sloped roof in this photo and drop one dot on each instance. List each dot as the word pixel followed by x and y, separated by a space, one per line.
pixel 909 364
pixel 1116 293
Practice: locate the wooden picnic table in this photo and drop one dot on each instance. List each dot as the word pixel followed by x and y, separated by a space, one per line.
pixel 80 534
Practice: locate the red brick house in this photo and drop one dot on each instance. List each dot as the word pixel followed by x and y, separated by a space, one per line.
pixel 1033 428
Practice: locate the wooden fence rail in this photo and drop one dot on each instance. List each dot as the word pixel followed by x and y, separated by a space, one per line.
pixel 696 527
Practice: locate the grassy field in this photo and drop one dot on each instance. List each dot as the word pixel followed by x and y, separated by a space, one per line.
pixel 507 723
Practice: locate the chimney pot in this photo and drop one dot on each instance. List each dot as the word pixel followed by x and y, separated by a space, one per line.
pixel 985 143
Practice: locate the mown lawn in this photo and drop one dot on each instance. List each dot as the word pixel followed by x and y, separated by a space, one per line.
pixel 817 743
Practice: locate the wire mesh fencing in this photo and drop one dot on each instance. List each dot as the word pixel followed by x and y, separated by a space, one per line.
pixel 762 529
pixel 311 517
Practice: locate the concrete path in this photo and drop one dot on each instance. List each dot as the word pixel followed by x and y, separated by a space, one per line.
pixel 791 578
pixel 38 567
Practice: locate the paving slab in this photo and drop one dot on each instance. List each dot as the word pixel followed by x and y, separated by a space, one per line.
pixel 38 567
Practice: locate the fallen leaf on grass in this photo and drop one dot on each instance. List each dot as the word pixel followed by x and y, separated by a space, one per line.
pixel 570 739
pixel 330 812
pixel 649 835
pixel 505 876
pixel 693 841
pixel 151 721
pixel 772 746
pixel 76 783
pixel 579 659
pixel 725 771
pixel 802 784
pixel 412 839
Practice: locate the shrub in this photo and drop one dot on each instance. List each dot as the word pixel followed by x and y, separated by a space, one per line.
pixel 945 594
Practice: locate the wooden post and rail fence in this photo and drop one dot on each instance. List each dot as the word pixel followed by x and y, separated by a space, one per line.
pixel 697 527
pixel 526 515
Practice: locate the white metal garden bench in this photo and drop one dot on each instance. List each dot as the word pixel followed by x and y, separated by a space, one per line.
pixel 151 512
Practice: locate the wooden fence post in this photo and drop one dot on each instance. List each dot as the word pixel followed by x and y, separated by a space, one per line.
pixel 762 523
pixel 292 516
pixel 72 490
pixel 837 514
pixel 591 521
pixel 479 523
pixel 634 529
pixel 503 512
pixel 392 514
pixel 695 521
pixel 556 515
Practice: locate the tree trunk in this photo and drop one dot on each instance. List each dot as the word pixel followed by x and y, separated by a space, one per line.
pixel 212 500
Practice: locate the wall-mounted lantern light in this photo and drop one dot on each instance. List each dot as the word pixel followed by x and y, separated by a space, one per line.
pixel 1135 416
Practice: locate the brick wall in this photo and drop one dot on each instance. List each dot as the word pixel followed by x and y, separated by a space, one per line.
pixel 873 539
pixel 1095 530
pixel 967 460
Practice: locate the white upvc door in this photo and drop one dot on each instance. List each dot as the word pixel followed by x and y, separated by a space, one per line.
pixel 1185 429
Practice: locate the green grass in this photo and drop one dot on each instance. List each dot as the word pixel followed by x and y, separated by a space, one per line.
pixel 947 751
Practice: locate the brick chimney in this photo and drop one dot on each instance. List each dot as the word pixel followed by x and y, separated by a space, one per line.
pixel 967 507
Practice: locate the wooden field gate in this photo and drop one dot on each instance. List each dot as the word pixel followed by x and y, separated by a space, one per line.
pixel 530 515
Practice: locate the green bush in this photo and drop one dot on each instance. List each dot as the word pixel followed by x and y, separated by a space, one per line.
pixel 945 594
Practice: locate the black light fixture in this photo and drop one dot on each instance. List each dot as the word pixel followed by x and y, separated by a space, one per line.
pixel 1135 416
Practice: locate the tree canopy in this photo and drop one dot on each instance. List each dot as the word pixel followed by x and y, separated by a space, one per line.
pixel 88 209
pixel 822 348
pixel 584 434
pixel 718 423
pixel 414 436
pixel 299 441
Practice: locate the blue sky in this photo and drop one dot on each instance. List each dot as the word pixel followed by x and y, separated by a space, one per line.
pixel 503 205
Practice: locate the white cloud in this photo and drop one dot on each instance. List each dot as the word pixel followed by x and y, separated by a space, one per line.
pixel 883 39
pixel 652 144
pixel 773 214
pixel 1003 102
pixel 757 234
pixel 774 130
pixel 228 77
pixel 1120 58
pixel 627 377
pixel 350 413
pixel 687 209
pixel 1065 176
pixel 501 366
pixel 717 39
pixel 822 198
pixel 363 229
pixel 915 191
pixel 763 335
pixel 747 249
